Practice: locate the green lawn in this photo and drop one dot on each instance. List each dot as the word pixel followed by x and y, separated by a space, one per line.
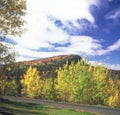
pixel 20 108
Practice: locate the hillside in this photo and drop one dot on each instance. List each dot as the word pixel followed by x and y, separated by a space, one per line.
pixel 115 74
pixel 69 83
pixel 47 66
pixel 60 59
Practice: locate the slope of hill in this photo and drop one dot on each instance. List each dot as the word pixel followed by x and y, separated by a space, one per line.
pixel 47 66
pixel 115 74
pixel 60 59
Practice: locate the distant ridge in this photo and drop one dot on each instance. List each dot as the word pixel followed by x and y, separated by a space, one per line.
pixel 44 61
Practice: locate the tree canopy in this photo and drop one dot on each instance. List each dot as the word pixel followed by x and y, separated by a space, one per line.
pixel 7 54
pixel 11 13
pixel 11 23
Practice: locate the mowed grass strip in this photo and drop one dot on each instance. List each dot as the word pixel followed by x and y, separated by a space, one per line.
pixel 21 108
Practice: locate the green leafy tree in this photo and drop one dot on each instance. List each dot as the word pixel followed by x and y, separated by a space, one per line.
pixel 11 17
pixel 48 89
pixel 7 54
pixel 72 82
pixel 3 83
pixel 11 88
pixel 11 23
pixel 88 84
pixel 98 84
pixel 62 83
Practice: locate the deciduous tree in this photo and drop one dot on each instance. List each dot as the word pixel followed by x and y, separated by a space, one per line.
pixel 11 23
pixel 32 83
pixel 11 17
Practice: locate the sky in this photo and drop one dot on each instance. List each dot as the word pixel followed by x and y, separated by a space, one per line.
pixel 58 27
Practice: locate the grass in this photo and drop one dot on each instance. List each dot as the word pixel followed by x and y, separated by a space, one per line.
pixel 21 108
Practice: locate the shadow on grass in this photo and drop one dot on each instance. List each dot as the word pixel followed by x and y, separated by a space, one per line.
pixel 22 104
pixel 6 113
pixel 12 108
pixel 21 108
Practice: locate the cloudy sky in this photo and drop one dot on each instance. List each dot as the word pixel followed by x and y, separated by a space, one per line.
pixel 83 27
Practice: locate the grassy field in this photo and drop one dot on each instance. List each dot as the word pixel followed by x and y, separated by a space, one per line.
pixel 20 108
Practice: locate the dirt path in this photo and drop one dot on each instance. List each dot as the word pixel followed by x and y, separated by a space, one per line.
pixel 90 108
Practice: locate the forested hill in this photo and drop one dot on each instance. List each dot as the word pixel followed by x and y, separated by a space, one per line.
pixel 52 63
pixel 115 73
pixel 58 60
pixel 45 65
pixel 56 78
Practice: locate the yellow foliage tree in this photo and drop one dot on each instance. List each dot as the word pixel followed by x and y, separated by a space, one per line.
pixel 48 89
pixel 114 93
pixel 32 83
pixel 84 83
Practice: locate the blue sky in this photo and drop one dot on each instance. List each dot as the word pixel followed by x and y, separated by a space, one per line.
pixel 83 27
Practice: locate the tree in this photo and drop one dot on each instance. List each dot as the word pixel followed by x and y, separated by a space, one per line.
pixel 11 13
pixel 32 83
pixel 113 93
pixel 99 84
pixel 88 84
pixel 7 54
pixel 48 89
pixel 3 82
pixel 11 88
pixel 62 83
pixel 11 23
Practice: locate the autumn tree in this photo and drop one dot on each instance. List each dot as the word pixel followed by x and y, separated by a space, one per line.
pixel 48 88
pixel 32 83
pixel 88 84
pixel 62 83
pixel 72 82
pixel 113 93
pixel 98 84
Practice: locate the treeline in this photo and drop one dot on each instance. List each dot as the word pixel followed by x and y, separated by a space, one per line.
pixel 75 82
pixel 47 66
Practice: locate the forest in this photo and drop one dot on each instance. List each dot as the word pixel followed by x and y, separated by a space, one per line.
pixel 73 82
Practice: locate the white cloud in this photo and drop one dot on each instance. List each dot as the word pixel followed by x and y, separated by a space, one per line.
pixel 27 54
pixel 96 62
pixel 42 32
pixel 107 65
pixel 62 9
pixel 78 45
pixel 113 66
pixel 88 46
pixel 115 46
pixel 113 14
pixel 82 45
